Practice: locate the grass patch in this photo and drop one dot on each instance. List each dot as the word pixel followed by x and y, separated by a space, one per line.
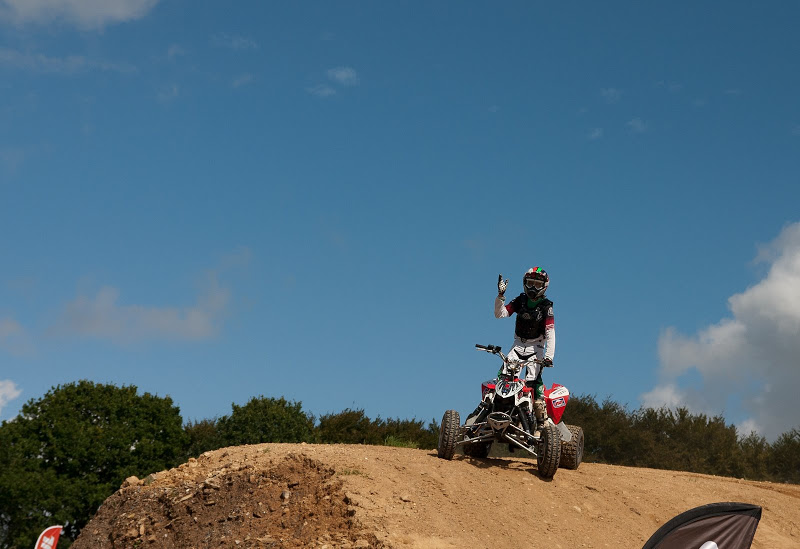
pixel 391 440
pixel 345 472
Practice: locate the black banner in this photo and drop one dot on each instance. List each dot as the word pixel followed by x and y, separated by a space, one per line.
pixel 712 526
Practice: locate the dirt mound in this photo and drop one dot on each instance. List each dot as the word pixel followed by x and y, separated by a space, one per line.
pixel 296 502
pixel 342 496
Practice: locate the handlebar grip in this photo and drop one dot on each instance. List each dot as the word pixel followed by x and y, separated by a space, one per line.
pixel 489 348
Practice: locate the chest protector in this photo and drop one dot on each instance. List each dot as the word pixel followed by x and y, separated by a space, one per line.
pixel 530 320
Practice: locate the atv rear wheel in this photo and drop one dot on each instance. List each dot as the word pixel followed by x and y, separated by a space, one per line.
pixel 572 451
pixel 548 451
pixel 448 433
pixel 477 449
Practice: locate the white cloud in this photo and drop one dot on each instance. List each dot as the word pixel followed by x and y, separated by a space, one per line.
pixel 637 125
pixel 234 41
pixel 168 93
pixel 83 13
pixel 8 328
pixel 8 392
pixel 663 395
pixel 611 95
pixel 750 357
pixel 175 51
pixel 595 133
pixel 239 258
pixel 748 426
pixel 796 130
pixel 345 76
pixel 242 80
pixel 72 64
pixel 13 338
pixel 321 90
pixel 102 316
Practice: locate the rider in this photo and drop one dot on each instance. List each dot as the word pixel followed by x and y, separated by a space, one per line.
pixel 535 330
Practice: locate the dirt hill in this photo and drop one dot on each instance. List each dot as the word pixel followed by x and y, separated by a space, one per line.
pixel 331 496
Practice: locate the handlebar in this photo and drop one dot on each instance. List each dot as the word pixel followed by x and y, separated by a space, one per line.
pixel 489 348
pixel 497 350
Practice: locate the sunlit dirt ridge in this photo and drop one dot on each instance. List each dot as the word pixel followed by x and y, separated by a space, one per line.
pixel 304 495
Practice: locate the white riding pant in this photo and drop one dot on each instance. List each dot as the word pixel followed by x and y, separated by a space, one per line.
pixel 526 347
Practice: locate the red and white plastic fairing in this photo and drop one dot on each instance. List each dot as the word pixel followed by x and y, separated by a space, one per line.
pixel 555 399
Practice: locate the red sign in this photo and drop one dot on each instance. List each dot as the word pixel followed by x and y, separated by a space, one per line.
pixel 49 538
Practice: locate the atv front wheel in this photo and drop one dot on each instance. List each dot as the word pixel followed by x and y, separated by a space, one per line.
pixel 572 451
pixel 448 433
pixel 549 451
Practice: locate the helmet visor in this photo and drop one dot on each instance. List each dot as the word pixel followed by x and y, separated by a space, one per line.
pixel 534 283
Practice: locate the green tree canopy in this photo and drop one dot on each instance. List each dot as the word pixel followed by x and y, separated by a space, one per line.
pixel 66 452
pixel 265 420
pixel 203 436
pixel 354 427
pixel 784 463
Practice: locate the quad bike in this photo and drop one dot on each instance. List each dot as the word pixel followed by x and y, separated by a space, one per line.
pixel 505 415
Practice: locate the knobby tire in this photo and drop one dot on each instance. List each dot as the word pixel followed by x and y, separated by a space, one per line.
pixel 448 434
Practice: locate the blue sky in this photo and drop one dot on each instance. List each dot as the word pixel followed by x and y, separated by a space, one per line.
pixel 215 201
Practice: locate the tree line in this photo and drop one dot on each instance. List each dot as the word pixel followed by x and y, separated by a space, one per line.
pixel 682 441
pixel 67 451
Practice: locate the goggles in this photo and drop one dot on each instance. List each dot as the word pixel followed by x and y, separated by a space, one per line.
pixel 534 283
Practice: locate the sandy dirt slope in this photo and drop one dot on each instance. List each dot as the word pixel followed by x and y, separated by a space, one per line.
pixel 403 498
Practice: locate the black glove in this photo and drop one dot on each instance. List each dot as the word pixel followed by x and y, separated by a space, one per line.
pixel 501 286
pixel 547 363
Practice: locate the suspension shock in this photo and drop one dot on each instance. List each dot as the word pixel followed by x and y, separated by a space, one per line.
pixel 525 417
pixel 480 412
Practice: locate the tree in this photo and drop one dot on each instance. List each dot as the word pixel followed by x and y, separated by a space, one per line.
pixel 354 427
pixel 347 427
pixel 265 420
pixel 784 462
pixel 203 436
pixel 66 452
pixel 607 428
pixel 755 453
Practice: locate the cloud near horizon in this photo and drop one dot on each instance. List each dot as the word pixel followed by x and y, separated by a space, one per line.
pixel 102 317
pixel 750 357
pixel 82 13
pixel 8 392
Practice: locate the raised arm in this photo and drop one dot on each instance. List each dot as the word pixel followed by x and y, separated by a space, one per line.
pixel 500 308
pixel 549 334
